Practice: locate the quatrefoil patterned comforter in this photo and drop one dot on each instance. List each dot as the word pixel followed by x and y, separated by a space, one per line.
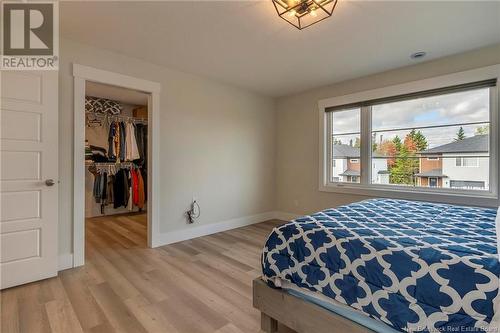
pixel 416 266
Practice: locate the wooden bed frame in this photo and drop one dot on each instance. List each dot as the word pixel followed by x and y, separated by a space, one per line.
pixel 302 316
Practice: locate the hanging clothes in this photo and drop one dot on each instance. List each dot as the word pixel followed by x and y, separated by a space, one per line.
pixel 139 135
pixel 145 182
pixel 140 190
pixel 123 136
pixel 120 189
pixel 111 142
pixel 130 205
pixel 96 192
pixel 119 184
pixel 145 143
pixel 126 142
pixel 142 143
pixel 100 189
pixel 132 152
pixel 104 187
pixel 135 186
pixel 116 140
pixel 109 189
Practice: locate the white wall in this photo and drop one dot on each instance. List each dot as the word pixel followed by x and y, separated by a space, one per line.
pixel 217 142
pixel 297 129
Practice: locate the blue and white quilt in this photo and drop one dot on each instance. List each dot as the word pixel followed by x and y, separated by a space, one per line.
pixel 416 266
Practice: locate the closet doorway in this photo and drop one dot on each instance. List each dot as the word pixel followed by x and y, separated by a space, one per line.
pixel 116 136
pixel 116 143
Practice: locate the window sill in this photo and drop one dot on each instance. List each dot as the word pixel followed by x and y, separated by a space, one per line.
pixel 469 198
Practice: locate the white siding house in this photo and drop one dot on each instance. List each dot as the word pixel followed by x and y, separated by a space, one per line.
pixel 464 163
pixel 346 166
pixel 339 166
pixel 380 172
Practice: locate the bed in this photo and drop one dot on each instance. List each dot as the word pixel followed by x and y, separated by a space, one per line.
pixel 383 265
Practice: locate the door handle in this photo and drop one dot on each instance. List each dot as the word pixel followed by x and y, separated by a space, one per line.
pixel 50 182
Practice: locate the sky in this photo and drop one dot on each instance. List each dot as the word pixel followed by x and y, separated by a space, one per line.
pixel 460 107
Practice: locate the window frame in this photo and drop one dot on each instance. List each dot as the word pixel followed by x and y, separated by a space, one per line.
pixel 488 198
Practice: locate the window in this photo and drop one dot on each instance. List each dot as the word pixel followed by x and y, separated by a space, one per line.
pixel 467 162
pixel 451 124
pixel 436 141
pixel 344 128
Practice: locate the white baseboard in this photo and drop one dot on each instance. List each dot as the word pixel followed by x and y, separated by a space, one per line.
pixel 284 216
pixel 65 261
pixel 203 230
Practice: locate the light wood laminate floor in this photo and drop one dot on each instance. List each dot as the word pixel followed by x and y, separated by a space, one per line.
pixel 199 285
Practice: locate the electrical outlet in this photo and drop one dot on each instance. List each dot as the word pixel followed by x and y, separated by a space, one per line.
pixel 195 205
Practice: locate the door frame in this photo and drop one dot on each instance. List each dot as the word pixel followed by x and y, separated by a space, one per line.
pixel 82 74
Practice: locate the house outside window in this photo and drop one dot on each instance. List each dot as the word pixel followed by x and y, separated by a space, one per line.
pixel 471 165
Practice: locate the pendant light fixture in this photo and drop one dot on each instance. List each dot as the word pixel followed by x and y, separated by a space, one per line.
pixel 304 13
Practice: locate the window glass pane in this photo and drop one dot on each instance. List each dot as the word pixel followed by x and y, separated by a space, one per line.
pixel 456 108
pixel 345 147
pixel 470 162
pixel 439 141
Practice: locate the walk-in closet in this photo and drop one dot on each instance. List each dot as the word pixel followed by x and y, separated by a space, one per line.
pixel 116 159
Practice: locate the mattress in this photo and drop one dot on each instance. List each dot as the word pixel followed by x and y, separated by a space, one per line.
pixel 415 266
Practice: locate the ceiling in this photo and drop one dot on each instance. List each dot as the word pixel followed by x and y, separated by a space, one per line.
pixel 244 43
pixel 114 93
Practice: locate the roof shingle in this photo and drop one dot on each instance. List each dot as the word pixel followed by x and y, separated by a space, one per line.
pixel 473 144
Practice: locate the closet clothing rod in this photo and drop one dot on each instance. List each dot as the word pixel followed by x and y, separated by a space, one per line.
pixel 118 117
pixel 114 164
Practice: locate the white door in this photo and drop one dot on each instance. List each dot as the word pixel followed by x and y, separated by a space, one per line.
pixel 28 167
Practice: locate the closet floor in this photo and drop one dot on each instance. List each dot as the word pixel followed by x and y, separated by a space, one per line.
pixel 199 285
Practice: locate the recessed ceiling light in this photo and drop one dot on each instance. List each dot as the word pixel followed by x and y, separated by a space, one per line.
pixel 418 55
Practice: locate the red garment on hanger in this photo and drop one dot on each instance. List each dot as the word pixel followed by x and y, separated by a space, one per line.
pixel 135 186
pixel 140 185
